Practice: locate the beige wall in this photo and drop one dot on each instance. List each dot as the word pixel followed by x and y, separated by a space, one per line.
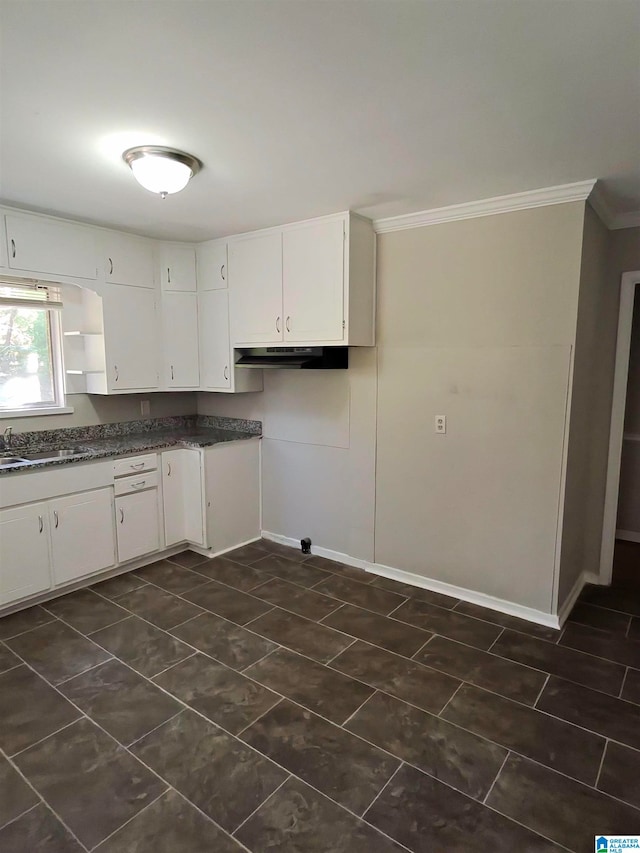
pixel 590 410
pixel 93 409
pixel 476 322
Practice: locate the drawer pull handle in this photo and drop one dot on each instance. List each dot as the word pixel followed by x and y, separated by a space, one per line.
pixel 172 372
pixel 288 321
pixel 278 325
pixel 168 469
pixel 138 466
pixel 226 372
pixel 41 523
pixel 13 248
pixel 57 520
pixel 168 275
pixel 110 267
pixel 139 485
pixel 121 515
pixel 115 368
pixel 222 276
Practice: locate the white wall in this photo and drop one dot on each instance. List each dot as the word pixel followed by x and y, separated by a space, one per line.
pixel 629 496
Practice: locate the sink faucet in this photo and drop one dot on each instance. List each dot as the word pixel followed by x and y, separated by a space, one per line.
pixel 5 441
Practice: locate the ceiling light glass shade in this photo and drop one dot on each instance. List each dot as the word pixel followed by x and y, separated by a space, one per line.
pixel 161 170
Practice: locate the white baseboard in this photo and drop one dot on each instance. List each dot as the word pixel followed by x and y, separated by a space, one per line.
pixel 576 589
pixel 628 535
pixel 511 608
pixel 207 552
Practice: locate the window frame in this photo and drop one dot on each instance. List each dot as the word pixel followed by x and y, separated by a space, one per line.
pixel 59 406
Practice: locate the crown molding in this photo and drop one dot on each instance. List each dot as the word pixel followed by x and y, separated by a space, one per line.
pixel 613 221
pixel 487 207
pixel 626 220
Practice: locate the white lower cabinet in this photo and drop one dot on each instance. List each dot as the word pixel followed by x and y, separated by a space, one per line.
pixel 24 552
pixel 232 488
pixel 182 496
pixel 82 540
pixel 137 524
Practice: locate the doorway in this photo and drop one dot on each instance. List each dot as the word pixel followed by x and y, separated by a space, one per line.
pixel 621 529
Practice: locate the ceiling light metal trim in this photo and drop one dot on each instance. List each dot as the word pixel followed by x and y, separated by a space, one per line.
pixel 138 151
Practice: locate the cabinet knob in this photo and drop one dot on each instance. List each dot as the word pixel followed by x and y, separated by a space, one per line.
pixel 13 248
pixel 222 272
pixel 278 325
pixel 288 321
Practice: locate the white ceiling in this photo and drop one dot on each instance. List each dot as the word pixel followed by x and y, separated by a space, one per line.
pixel 304 107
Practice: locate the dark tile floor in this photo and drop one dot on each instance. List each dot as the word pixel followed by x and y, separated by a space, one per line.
pixel 262 701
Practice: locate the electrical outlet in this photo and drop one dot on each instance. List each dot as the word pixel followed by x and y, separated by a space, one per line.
pixel 440 423
pixel 145 408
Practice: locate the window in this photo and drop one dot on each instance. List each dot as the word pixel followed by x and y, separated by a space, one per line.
pixel 30 350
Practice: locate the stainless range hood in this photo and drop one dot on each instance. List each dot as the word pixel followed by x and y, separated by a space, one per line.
pixel 295 358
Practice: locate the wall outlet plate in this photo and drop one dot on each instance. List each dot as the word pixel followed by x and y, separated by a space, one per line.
pixel 440 424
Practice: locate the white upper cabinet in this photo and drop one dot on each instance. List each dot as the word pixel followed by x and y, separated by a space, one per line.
pixel 313 281
pixel 309 283
pixel 177 267
pixel 212 265
pixel 215 349
pixel 255 275
pixel 127 259
pixel 49 246
pixel 180 339
pixel 130 339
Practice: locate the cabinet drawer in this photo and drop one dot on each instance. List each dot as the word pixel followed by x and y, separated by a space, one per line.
pixel 135 465
pixel 128 485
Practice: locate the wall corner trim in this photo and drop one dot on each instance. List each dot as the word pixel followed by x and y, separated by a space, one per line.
pixel 511 608
pixel 489 206
pixel 570 600
pixel 610 218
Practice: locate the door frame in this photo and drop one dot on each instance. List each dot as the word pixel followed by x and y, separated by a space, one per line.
pixel 629 291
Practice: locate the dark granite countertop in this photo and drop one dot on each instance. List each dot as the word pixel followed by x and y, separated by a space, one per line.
pixel 191 432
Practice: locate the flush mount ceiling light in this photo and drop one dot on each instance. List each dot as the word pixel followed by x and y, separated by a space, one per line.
pixel 161 170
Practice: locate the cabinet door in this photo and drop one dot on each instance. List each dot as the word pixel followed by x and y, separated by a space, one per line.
pixel 232 482
pixel 127 260
pixel 177 267
pixel 25 567
pixel 46 246
pixel 137 525
pixel 212 266
pixel 180 339
pixel 182 496
pixel 313 282
pixel 215 351
pixel 131 338
pixel 255 273
pixel 82 539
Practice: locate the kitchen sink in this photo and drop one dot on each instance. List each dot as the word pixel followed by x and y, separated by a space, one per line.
pixel 53 454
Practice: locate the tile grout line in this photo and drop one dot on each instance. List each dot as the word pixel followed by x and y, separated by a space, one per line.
pixel 46 737
pixel 258 718
pixel 604 752
pixel 449 700
pixel 88 669
pixel 28 630
pixel 374 800
pixel 624 681
pixel 171 666
pixel 343 724
pixel 253 663
pixel 22 814
pixel 128 821
pixel 258 807
pixel 541 691
pixel 337 654
pixel 155 728
pixel 255 618
pixel 487 795
pixel 497 638
pixel 45 802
